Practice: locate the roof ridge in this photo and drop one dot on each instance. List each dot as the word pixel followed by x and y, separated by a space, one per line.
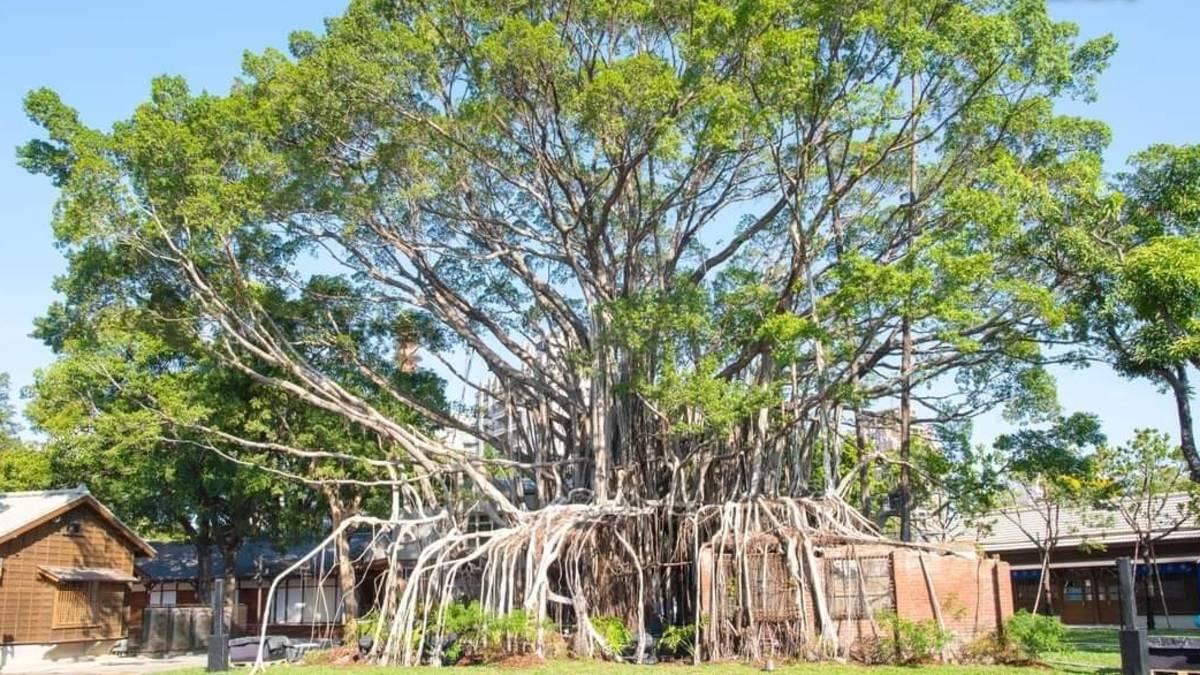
pixel 79 490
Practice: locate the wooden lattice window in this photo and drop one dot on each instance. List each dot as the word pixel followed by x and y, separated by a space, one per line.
pixel 859 588
pixel 76 604
pixel 763 584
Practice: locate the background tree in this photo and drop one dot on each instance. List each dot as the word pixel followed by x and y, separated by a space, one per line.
pixel 1046 471
pixel 1132 258
pixel 1154 497
pixel 115 412
pixel 22 466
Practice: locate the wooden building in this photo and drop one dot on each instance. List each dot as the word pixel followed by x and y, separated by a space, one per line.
pixel 1083 570
pixel 308 603
pixel 66 563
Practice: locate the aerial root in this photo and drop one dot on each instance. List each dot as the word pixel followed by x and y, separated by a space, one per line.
pixel 746 575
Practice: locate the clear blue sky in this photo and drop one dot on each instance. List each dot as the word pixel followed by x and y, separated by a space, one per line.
pixel 100 56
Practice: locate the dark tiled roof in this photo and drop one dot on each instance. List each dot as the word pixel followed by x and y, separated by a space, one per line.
pixel 256 559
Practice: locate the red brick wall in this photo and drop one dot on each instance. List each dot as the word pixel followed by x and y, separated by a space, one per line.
pixel 975 596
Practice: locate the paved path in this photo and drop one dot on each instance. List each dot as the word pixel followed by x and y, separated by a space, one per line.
pixel 115 665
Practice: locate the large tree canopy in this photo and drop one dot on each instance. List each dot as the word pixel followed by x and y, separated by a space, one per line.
pixel 690 240
pixel 1132 258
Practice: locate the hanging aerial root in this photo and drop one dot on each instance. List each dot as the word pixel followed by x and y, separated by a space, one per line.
pixel 747 576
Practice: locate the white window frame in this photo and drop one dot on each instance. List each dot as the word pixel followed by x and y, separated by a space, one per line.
pixel 165 594
pixel 302 600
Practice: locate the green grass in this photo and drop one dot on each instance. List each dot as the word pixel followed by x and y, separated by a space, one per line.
pixel 1095 650
pixel 1090 651
pixel 603 668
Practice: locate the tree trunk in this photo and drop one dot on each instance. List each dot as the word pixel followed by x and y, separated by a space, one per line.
pixel 1183 408
pixel 600 421
pixel 229 551
pixel 1043 584
pixel 1158 584
pixel 346 578
pixel 906 346
pixel 201 538
pixel 1146 560
pixel 204 570
pixel 864 467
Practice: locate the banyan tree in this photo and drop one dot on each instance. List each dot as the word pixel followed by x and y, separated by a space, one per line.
pixel 689 247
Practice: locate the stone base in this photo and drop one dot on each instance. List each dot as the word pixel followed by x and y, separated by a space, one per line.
pixel 28 658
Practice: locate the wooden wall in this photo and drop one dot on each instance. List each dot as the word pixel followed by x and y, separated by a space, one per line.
pixel 27 597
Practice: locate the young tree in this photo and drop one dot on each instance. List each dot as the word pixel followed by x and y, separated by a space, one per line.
pixel 1153 495
pixel 1049 470
pixel 682 234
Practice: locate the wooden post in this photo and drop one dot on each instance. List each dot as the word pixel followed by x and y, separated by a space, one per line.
pixel 218 641
pixel 1135 653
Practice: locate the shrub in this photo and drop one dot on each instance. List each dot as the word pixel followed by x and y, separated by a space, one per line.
pixel 910 642
pixel 990 648
pixel 365 625
pixel 679 640
pixel 1034 634
pixel 614 633
pixel 480 634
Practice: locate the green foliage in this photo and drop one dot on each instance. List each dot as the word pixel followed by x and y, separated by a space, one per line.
pixel 617 637
pixel 679 640
pixel 1057 459
pixel 705 200
pixel 1035 635
pixel 1150 486
pixel 1160 282
pixel 9 424
pixel 1131 254
pixel 22 466
pixel 486 635
pixel 910 642
pixel 367 624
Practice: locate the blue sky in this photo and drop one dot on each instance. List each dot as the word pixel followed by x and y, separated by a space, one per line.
pixel 100 56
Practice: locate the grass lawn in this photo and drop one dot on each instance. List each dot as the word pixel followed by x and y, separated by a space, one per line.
pixel 603 668
pixel 1091 650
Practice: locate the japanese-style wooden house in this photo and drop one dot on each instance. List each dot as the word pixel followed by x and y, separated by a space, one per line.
pixel 66 563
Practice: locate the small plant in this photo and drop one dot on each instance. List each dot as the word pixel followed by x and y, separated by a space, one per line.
pixel 679 640
pixel 614 633
pixel 910 642
pixel 477 633
pixel 366 624
pixel 1034 635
